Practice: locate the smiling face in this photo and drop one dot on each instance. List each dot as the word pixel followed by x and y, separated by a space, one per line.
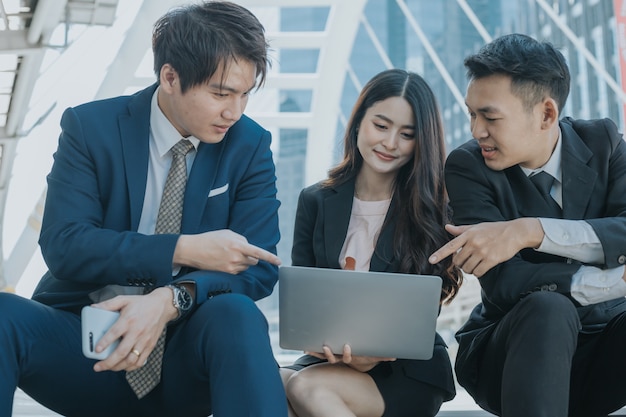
pixel 507 132
pixel 208 110
pixel 386 136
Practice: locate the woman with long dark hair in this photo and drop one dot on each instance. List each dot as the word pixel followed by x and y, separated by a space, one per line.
pixel 388 205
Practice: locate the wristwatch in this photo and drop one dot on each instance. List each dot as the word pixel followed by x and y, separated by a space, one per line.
pixel 183 301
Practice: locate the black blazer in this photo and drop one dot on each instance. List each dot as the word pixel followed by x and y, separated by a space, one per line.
pixel 321 226
pixel 594 188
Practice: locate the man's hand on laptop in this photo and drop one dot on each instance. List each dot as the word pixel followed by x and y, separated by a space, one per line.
pixel 359 363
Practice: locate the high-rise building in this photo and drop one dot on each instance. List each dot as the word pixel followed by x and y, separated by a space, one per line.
pixel 586 32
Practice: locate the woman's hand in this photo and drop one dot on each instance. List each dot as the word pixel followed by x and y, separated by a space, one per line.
pixel 359 363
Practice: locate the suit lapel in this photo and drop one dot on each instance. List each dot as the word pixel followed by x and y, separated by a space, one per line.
pixel 201 179
pixel 529 201
pixel 383 258
pixel 337 209
pixel 135 133
pixel 578 179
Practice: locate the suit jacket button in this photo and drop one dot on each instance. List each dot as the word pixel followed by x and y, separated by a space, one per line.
pixel 552 287
pixel 621 259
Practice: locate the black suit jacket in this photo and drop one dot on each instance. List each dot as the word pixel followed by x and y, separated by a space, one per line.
pixel 594 189
pixel 321 226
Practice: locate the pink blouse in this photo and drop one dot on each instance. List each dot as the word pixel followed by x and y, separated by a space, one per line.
pixel 366 220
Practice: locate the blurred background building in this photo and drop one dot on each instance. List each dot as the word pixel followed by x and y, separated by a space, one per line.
pixel 60 53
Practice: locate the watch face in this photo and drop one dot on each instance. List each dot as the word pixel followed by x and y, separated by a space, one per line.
pixel 184 299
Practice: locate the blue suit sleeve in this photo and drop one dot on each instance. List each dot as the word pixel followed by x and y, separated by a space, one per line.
pixel 86 234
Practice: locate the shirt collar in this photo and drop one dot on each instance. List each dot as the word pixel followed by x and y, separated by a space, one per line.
pixel 553 166
pixel 163 132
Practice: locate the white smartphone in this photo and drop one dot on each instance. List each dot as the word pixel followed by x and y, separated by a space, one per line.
pixel 95 322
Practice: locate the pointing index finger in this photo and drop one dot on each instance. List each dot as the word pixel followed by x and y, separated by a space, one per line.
pixel 263 255
pixel 448 249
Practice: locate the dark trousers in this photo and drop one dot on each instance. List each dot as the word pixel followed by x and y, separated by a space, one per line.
pixel 537 363
pixel 218 360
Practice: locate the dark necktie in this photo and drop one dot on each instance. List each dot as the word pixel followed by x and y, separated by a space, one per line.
pixel 144 379
pixel 543 181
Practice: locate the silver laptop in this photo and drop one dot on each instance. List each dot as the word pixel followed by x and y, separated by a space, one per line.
pixel 377 314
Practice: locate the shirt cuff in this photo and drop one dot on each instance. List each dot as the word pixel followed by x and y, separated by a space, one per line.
pixel 591 285
pixel 573 239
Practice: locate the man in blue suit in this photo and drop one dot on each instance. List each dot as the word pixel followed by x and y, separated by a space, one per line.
pixel 99 242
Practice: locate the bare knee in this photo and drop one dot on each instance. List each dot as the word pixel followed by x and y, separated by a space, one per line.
pixel 285 374
pixel 304 388
pixel 297 386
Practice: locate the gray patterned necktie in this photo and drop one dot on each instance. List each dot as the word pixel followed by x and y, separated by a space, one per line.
pixel 144 379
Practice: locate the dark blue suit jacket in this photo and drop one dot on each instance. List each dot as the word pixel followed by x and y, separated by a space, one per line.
pixel 95 196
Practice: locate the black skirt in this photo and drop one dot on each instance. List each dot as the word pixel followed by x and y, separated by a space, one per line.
pixel 410 388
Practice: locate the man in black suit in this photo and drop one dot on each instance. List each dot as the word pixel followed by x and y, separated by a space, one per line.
pixel 549 337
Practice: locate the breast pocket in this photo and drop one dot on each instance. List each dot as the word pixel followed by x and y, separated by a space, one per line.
pixel 216 210
pixel 217 191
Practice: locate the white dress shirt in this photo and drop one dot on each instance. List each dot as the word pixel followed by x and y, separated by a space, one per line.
pixel 163 135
